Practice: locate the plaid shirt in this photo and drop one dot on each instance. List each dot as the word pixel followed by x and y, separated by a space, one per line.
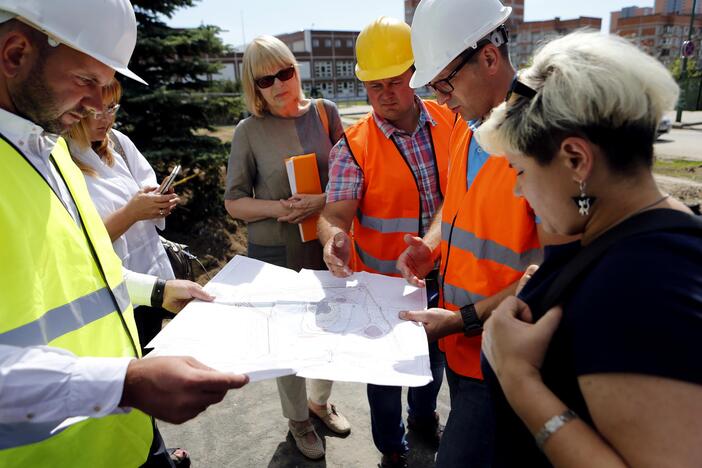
pixel 346 178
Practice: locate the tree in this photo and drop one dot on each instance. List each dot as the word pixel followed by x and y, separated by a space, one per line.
pixel 692 71
pixel 164 118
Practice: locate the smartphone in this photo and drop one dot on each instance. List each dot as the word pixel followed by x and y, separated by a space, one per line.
pixel 168 181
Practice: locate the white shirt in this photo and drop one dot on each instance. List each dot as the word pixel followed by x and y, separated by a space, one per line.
pixel 42 384
pixel 111 188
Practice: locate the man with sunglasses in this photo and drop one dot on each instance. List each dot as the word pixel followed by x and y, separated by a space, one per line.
pixel 387 177
pixel 485 236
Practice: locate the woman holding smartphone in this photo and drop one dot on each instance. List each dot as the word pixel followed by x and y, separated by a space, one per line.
pixel 124 189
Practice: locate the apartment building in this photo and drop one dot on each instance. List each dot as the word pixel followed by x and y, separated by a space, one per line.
pixel 660 35
pixel 531 34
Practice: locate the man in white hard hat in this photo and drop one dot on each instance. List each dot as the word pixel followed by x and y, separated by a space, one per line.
pixel 485 235
pixel 386 178
pixel 73 392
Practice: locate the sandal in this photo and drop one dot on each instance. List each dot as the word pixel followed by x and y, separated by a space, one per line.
pixel 180 457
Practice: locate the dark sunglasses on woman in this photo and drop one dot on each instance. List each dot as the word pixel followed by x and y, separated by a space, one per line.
pixel 283 75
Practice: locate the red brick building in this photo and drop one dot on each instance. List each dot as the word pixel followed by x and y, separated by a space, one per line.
pixel 660 34
pixel 532 34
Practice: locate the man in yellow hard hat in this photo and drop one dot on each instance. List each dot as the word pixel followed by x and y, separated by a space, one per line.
pixel 386 180
pixel 72 389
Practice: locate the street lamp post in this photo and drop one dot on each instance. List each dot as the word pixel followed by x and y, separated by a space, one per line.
pixel 683 67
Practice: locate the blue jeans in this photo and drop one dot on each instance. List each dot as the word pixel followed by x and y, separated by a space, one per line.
pixel 468 439
pixel 386 401
pixel 386 406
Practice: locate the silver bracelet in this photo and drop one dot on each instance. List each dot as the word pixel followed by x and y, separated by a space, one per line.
pixel 552 425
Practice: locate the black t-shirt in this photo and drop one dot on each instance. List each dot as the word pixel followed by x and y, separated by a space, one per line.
pixel 638 310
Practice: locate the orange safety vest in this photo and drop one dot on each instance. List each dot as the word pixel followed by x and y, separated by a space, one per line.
pixel 390 207
pixel 488 238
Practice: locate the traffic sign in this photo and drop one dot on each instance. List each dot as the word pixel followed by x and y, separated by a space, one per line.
pixel 688 49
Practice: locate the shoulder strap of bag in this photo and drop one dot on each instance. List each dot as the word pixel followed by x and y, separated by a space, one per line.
pixel 322 111
pixel 119 149
pixel 648 221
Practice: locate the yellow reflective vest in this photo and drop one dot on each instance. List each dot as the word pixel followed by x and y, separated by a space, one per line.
pixel 63 286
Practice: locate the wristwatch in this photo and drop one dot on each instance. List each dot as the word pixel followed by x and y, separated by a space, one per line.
pixel 157 293
pixel 472 325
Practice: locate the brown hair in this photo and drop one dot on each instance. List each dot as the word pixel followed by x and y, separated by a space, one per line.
pixel 80 134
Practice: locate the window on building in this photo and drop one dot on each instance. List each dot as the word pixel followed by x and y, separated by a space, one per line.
pixel 668 28
pixel 349 43
pixel 327 42
pixel 315 42
pixel 665 52
pixel 344 68
pixel 337 42
pixel 322 69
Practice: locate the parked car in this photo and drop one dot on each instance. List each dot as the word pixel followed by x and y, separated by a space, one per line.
pixel 664 126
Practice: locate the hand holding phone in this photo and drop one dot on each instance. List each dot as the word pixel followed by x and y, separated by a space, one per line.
pixel 168 181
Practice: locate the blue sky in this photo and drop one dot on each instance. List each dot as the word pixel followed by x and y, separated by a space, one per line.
pixel 281 16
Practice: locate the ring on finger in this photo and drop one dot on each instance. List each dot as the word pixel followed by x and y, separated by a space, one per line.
pixel 160 211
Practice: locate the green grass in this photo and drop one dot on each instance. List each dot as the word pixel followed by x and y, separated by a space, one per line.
pixel 681 168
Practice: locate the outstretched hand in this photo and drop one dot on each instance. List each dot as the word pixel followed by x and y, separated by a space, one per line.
pixel 438 323
pixel 415 263
pixel 178 293
pixel 175 389
pixel 337 254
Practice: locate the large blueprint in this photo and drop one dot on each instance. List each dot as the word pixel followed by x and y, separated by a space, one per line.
pixel 268 321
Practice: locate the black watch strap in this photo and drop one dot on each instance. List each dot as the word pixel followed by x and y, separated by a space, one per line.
pixel 157 293
pixel 472 325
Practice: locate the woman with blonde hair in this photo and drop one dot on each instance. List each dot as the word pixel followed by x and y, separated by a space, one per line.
pixel 283 124
pixel 597 363
pixel 123 186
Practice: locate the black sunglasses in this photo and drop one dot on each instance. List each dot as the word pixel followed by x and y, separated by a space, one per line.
pixel 283 75
pixel 520 89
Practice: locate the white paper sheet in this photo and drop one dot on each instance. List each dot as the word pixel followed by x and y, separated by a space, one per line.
pixel 268 321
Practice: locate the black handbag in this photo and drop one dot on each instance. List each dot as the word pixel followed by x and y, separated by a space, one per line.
pixel 181 259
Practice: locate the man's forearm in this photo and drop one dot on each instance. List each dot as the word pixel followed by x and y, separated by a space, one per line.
pixel 432 238
pixel 329 225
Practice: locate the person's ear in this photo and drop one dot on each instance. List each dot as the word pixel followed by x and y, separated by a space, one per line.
pixel 577 155
pixel 490 57
pixel 15 53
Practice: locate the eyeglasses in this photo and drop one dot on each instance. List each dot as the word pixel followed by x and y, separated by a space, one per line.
pixel 283 75
pixel 109 112
pixel 520 89
pixel 444 85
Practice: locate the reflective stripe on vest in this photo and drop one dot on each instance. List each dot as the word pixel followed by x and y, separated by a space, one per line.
pixel 486 249
pixel 391 205
pixel 389 225
pixel 488 238
pixel 64 287
pixel 67 318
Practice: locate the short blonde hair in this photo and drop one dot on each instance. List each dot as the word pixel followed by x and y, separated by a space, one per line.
pixel 588 84
pixel 80 135
pixel 264 56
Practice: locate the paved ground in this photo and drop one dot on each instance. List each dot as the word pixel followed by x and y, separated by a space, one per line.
pixel 248 430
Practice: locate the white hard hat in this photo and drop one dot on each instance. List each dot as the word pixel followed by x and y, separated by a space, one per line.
pixel 442 29
pixel 103 29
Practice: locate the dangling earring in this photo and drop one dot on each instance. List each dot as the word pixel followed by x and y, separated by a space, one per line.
pixel 584 202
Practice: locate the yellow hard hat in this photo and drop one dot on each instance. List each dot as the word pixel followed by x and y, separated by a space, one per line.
pixel 383 49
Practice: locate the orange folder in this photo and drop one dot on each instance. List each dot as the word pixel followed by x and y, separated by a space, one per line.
pixel 303 176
